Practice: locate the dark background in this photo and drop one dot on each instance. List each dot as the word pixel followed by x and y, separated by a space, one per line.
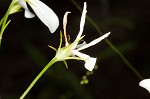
pixel 25 52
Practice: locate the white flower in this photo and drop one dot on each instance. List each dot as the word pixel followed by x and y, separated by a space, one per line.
pixel 145 84
pixel 44 13
pixel 72 51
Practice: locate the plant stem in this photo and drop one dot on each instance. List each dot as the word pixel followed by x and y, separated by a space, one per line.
pixel 110 44
pixel 38 77
pixel 3 21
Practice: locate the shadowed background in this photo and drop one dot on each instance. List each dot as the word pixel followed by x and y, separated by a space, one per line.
pixel 25 52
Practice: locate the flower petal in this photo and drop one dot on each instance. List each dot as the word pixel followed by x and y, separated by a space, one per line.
pixel 145 84
pixel 90 63
pixel 93 42
pixel 82 21
pixel 45 14
pixel 79 54
pixel 28 14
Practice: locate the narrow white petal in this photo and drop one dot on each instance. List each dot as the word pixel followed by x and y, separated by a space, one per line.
pixel 45 14
pixel 90 63
pixel 79 54
pixel 93 42
pixel 145 84
pixel 82 21
pixel 28 14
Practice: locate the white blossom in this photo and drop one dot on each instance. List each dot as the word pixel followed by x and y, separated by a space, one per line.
pixel 145 84
pixel 72 51
pixel 44 13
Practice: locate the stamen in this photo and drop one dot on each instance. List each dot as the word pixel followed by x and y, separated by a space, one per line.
pixel 64 27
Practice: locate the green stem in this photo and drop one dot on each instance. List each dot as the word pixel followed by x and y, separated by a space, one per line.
pixel 4 22
pixel 110 44
pixel 38 77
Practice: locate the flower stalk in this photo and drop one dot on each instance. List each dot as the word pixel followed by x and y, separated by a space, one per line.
pixel 4 23
pixel 38 77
